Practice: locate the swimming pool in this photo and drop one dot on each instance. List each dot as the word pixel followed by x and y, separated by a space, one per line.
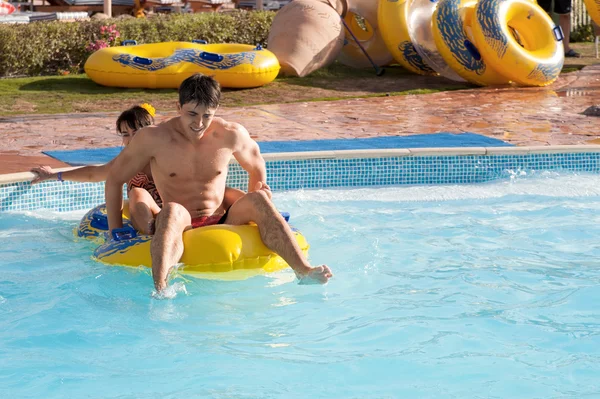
pixel 484 290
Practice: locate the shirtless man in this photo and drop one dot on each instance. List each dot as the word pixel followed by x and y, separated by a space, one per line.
pixel 189 156
pixel 144 200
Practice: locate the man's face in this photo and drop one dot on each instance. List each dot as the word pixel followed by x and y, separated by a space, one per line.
pixel 196 118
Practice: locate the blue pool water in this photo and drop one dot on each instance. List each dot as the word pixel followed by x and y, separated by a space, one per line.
pixel 456 291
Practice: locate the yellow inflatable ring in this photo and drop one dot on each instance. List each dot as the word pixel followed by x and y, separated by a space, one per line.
pixel 370 39
pixel 392 17
pixel 593 8
pixel 452 21
pixel 166 65
pixel 219 251
pixel 519 40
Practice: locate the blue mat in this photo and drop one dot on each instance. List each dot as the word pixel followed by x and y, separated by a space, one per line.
pixel 103 155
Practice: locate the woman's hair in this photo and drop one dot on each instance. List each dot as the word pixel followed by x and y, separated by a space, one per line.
pixel 135 117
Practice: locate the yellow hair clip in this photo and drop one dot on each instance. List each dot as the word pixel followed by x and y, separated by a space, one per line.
pixel 149 108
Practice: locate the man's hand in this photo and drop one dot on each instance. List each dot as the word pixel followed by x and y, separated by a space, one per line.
pixel 43 173
pixel 263 186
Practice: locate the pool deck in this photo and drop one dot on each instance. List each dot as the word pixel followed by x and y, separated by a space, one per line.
pixel 522 116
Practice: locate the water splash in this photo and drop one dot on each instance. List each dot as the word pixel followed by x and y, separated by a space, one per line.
pixel 520 182
pixel 170 292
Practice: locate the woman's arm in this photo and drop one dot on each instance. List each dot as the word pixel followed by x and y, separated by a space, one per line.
pixel 90 173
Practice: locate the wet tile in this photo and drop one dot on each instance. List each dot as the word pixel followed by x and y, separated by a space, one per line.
pixel 521 116
pixel 11 162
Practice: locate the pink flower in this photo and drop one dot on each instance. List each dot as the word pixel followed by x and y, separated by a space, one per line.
pixel 108 37
pixel 97 45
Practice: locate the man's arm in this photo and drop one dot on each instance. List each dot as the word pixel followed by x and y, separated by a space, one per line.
pixel 247 153
pixel 130 161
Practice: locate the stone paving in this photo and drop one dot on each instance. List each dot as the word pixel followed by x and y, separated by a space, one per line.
pixel 521 116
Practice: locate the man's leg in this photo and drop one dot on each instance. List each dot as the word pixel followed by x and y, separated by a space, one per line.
pixel 142 209
pixel 563 9
pixel 275 233
pixel 232 195
pixel 564 20
pixel 167 243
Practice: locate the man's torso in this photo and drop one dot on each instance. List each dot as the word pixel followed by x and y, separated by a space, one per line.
pixel 192 174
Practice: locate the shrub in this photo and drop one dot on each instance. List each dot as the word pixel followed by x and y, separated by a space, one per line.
pixel 45 48
pixel 583 33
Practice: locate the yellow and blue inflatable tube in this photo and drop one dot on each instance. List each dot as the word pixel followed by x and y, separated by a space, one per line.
pixel 392 18
pixel 519 40
pixel 368 34
pixel 452 20
pixel 165 65
pixel 222 251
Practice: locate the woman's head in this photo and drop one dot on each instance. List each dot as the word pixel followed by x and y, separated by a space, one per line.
pixel 133 119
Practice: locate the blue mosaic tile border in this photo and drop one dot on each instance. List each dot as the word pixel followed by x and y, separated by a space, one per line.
pixel 325 173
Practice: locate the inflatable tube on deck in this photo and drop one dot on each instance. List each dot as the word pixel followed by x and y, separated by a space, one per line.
pixel 370 39
pixel 392 17
pixel 165 65
pixel 452 32
pixel 420 14
pixel 306 35
pixel 519 40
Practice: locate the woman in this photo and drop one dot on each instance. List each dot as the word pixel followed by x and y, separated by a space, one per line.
pixel 144 199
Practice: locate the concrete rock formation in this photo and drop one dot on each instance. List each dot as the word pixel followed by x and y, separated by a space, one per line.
pixel 307 35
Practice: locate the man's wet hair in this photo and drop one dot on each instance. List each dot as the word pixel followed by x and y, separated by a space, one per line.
pixel 135 117
pixel 201 90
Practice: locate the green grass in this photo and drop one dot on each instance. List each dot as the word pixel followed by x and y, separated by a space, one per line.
pixel 340 71
pixel 571 69
pixel 77 93
pixel 61 94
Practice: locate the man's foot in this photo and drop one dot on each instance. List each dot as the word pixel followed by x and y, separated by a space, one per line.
pixel 170 291
pixel 160 285
pixel 572 54
pixel 316 275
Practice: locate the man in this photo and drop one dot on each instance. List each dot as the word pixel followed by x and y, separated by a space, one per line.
pixel 563 9
pixel 189 157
